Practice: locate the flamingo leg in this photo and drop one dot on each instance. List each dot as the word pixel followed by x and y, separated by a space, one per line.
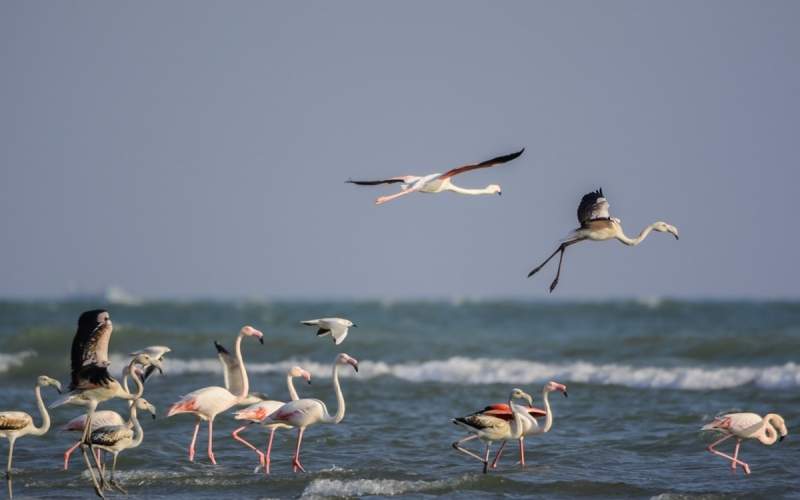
pixel 497 455
pixel 68 454
pixel 246 443
pixel 11 442
pixel 733 460
pixel 211 441
pixel 383 199
pixel 522 451
pixel 194 440
pixel 296 459
pixel 91 471
pixel 562 248
pixel 114 482
pixel 96 456
pixel 457 446
pixel 486 458
pixel 269 450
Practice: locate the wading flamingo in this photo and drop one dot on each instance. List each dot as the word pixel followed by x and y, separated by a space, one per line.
pixel 208 402
pixel 257 412
pixel 767 430
pixel 116 438
pixel 336 327
pixel 437 183
pixel 306 412
pixel 531 426
pixel 597 225
pixel 233 376
pixel 489 429
pixel 15 424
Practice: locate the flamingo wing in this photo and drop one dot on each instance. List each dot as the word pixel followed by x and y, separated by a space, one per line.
pixel 593 206
pixel 111 434
pixel 480 422
pixel 405 179
pixel 89 353
pixel 484 164
pixel 14 420
pixel 502 410
pixel 233 375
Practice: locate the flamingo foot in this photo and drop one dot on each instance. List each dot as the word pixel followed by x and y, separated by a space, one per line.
pixel 211 457
pixel 119 488
pixel 191 454
pixel 553 285
pixel 297 465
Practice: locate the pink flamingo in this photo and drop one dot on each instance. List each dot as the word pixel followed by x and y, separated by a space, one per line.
pixel 306 412
pixel 257 412
pixel 208 402
pixel 767 430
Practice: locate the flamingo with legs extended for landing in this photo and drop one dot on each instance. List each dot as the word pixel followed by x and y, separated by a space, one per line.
pixel 767 430
pixel 306 412
pixel 437 183
pixel 598 225
pixel 257 412
pixel 208 402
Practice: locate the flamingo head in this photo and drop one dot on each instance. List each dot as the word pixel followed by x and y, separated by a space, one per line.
pixel 663 227
pixel 520 394
pixel 346 359
pixel 555 386
pixel 144 405
pixel 44 380
pixel 145 359
pixel 252 332
pixel 494 189
pixel 296 371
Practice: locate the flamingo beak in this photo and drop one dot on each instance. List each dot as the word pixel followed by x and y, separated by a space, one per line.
pixel 565 394
pixel 781 438
pixel 499 193
pixel 261 339
pixel 354 364
pixel 355 325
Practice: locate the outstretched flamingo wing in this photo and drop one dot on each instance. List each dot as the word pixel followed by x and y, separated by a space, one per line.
pixel 484 164
pixel 593 206
pixel 406 179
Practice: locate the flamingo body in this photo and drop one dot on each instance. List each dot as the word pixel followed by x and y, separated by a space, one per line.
pixel 767 430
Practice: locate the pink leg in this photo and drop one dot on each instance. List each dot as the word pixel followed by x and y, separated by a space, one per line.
pixel 522 451
pixel 211 441
pixel 68 453
pixel 269 451
pixel 497 455
pixel 734 460
pixel 246 443
pixel 383 199
pixel 194 440
pixel 296 459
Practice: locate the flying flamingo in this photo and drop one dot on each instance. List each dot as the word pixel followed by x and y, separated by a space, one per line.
pixel 208 402
pixel 15 424
pixel 336 327
pixel 233 376
pixel 437 183
pixel 303 413
pixel 116 438
pixel 597 225
pixel 531 426
pixel 489 428
pixel 767 430
pixel 257 412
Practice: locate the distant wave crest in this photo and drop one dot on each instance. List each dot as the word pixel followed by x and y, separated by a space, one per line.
pixel 13 360
pixel 465 370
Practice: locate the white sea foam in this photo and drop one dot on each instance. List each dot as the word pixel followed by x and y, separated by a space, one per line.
pixel 13 360
pixel 361 487
pixel 464 370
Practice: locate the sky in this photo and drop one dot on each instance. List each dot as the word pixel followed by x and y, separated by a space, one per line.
pixel 198 149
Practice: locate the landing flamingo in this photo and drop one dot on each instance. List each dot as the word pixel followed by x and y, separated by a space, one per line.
pixel 306 412
pixel 257 412
pixel 767 430
pixel 208 402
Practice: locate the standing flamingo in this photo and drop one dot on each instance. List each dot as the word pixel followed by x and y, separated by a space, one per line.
pixel 767 430
pixel 15 424
pixel 303 413
pixel 437 183
pixel 489 428
pixel 531 426
pixel 256 413
pixel 208 402
pixel 116 438
pixel 598 225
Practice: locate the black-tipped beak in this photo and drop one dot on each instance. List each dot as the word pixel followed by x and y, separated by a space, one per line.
pixel 355 367
pixel 676 237
pixel 781 438
pixel 154 417
pixel 499 193
pixel 59 391
pixel 355 325
pixel 565 394
pixel 160 371
pixel 261 339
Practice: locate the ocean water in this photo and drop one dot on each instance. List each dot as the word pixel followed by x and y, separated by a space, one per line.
pixel 643 376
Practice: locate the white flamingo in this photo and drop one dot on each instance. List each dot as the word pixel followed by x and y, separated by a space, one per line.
pixel 232 373
pixel 336 327
pixel 767 430
pixel 257 412
pixel 208 402
pixel 116 438
pixel 437 183
pixel 598 225
pixel 16 424
pixel 306 412
pixel 489 428
pixel 531 426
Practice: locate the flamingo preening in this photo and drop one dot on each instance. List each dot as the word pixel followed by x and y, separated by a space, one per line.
pixel 336 327
pixel 489 428
pixel 303 413
pixel 598 225
pixel 531 426
pixel 208 402
pixel 15 424
pixel 437 183
pixel 257 412
pixel 767 430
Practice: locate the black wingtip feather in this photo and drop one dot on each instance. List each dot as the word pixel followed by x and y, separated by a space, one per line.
pixel 220 348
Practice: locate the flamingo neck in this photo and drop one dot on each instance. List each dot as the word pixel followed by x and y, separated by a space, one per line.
pixel 136 379
pixel 769 434
pixel 292 391
pixel 38 431
pixel 634 241
pixel 245 382
pixel 138 433
pixel 460 190
pixel 517 428
pixel 548 419
pixel 340 407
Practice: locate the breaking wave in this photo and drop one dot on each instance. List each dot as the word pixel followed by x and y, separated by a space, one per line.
pixel 14 360
pixel 364 487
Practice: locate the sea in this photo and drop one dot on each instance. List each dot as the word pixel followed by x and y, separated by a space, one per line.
pixel 643 376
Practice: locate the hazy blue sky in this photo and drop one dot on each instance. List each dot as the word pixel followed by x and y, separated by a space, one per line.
pixel 185 149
